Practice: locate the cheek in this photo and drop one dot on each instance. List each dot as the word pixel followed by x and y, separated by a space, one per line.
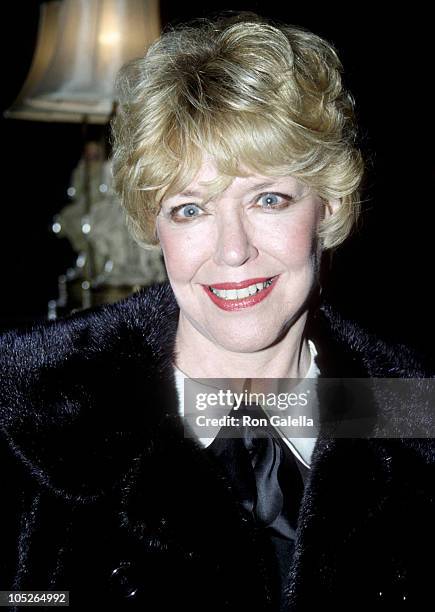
pixel 183 251
pixel 293 242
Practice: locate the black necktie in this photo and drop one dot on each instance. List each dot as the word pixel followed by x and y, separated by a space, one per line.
pixel 266 479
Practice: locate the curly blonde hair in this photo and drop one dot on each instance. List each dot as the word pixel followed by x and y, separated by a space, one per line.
pixel 247 93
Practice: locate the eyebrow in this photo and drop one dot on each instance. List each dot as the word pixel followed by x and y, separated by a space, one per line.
pixel 188 193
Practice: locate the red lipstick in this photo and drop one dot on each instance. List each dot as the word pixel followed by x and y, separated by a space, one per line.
pixel 239 304
pixel 241 285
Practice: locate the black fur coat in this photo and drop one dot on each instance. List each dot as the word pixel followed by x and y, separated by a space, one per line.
pixel 103 496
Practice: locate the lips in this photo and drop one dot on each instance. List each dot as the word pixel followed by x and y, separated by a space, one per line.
pixel 233 305
pixel 242 284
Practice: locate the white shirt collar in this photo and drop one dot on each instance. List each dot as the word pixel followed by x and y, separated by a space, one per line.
pixel 302 448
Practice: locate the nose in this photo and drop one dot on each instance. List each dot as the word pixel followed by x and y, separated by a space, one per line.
pixel 234 240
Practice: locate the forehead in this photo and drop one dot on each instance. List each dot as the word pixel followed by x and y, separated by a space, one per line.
pixel 208 182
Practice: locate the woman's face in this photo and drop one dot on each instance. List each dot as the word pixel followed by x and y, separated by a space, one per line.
pixel 260 229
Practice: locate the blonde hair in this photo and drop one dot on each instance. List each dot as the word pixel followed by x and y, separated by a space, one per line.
pixel 248 94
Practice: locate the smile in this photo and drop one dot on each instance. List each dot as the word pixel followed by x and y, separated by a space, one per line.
pixel 248 293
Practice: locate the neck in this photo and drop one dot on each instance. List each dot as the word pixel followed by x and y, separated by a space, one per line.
pixel 199 357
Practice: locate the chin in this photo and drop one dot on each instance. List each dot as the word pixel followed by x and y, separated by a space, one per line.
pixel 250 342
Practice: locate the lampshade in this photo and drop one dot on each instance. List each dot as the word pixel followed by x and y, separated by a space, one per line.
pixel 45 44
pixel 80 47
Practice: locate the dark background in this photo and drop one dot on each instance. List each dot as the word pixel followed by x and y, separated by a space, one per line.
pixel 382 277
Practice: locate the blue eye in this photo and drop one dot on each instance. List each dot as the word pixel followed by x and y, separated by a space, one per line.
pixel 274 200
pixel 270 199
pixel 189 208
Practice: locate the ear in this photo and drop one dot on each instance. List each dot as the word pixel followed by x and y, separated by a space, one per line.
pixel 331 207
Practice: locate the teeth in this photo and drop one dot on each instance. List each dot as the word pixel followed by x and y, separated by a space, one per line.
pixel 243 293
pixel 238 294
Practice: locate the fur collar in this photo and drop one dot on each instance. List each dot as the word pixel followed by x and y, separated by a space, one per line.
pixel 88 410
pixel 135 339
pixel 102 373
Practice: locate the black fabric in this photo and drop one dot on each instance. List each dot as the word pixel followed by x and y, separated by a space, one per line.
pixel 267 482
pixel 261 468
pixel 103 495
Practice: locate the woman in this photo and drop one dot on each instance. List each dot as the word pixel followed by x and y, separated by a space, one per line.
pixel 235 151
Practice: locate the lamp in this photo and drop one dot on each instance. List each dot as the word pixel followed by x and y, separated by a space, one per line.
pixel 81 45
